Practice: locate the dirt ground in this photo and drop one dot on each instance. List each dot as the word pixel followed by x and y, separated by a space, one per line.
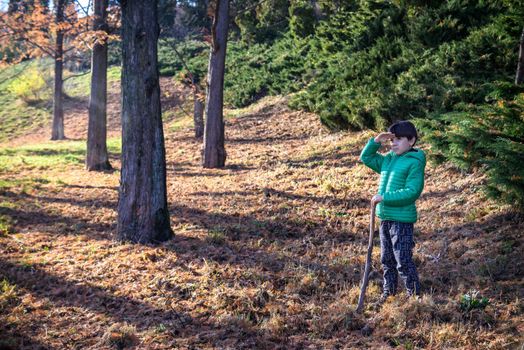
pixel 267 253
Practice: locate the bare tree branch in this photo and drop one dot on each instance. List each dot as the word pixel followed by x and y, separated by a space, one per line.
pixel 84 9
pixel 76 75
pixel 14 75
pixel 24 38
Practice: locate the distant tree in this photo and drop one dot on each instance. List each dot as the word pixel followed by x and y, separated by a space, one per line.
pixel 198 110
pixel 35 31
pixel 143 215
pixel 192 80
pixel 214 150
pixel 520 67
pixel 198 98
pixel 261 20
pixel 192 18
pixel 166 15
pixel 97 157
pixel 57 132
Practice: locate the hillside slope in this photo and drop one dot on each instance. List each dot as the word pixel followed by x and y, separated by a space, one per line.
pixel 267 252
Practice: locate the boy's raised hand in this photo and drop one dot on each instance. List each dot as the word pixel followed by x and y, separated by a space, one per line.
pixel 383 136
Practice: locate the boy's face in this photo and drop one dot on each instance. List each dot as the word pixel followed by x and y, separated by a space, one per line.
pixel 400 145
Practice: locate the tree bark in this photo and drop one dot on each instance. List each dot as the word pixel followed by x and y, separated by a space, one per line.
pixel 214 151
pixel 520 67
pixel 143 215
pixel 198 113
pixel 97 157
pixel 12 6
pixel 57 132
pixel 316 10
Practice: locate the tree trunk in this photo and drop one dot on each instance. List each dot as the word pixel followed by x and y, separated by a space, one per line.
pixel 58 108
pixel 12 6
pixel 316 10
pixel 198 113
pixel 143 215
pixel 520 67
pixel 97 158
pixel 214 151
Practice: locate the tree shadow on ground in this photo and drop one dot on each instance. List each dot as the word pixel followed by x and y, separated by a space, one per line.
pixel 14 339
pixel 269 139
pixel 52 223
pixel 122 309
pixel 268 192
pixel 43 152
pixel 114 188
pixel 86 203
pixel 358 202
pixel 439 194
pixel 189 171
pixel 317 160
pixel 231 241
pixel 482 253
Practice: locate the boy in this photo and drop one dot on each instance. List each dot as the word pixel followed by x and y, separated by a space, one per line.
pixel 401 183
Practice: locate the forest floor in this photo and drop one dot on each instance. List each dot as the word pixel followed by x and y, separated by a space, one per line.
pixel 267 253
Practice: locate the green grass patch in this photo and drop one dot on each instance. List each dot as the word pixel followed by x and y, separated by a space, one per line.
pixel 179 118
pixel 216 235
pixel 80 86
pixel 25 110
pixel 181 123
pixel 5 223
pixel 21 183
pixel 257 107
pixel 8 293
pixel 17 119
pixel 26 92
pixel 48 155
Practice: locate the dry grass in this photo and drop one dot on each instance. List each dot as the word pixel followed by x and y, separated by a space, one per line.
pixel 267 254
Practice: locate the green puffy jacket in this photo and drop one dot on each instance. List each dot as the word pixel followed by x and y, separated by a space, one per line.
pixel 401 181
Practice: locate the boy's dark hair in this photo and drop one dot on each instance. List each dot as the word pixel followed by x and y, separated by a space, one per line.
pixel 404 128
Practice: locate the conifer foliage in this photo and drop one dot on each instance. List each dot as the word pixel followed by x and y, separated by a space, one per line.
pixel 449 65
pixel 489 137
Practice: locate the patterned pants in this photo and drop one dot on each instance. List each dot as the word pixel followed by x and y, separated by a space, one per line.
pixel 396 253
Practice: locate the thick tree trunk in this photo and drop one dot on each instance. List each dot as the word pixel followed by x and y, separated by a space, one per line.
pixel 214 151
pixel 143 215
pixel 520 67
pixel 97 158
pixel 57 132
pixel 198 113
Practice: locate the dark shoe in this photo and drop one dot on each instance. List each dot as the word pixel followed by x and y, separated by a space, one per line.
pixel 413 294
pixel 377 304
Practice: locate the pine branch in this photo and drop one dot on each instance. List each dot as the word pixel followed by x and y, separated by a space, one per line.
pixel 249 8
pixel 191 75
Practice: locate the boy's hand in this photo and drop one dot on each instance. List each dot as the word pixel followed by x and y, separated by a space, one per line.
pixel 383 136
pixel 376 199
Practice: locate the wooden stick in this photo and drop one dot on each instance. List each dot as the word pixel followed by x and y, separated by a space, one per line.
pixel 365 278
